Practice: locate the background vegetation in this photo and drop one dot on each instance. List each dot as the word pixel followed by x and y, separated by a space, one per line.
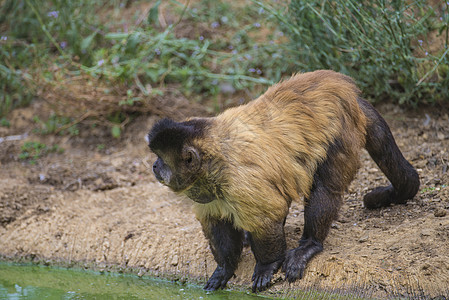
pixel 389 46
pixel 105 59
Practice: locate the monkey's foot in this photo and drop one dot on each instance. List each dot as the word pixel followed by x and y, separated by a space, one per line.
pixel 380 197
pixel 218 279
pixel 263 274
pixel 296 259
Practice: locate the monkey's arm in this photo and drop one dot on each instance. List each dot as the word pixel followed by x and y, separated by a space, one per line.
pixel 226 244
pixel 269 250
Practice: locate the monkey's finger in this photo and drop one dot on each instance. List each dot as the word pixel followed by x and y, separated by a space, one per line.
pixel 212 285
pixel 295 274
pixel 293 277
pixel 284 266
pixel 290 275
pixel 261 283
pixel 253 288
pixel 223 284
pixel 209 287
pixel 265 282
pixel 256 284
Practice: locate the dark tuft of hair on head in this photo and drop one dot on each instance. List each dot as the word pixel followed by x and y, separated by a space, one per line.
pixel 167 134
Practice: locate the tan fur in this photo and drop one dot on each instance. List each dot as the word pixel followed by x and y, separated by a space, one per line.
pixel 267 151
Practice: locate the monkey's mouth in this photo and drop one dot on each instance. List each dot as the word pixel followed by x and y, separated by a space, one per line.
pixel 174 186
pixel 159 178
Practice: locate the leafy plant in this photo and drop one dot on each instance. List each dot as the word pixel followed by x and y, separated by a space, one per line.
pixel 27 28
pixel 32 151
pixel 4 122
pixel 15 89
pixel 70 35
pixel 56 124
pixel 217 46
pixel 375 42
pixel 147 56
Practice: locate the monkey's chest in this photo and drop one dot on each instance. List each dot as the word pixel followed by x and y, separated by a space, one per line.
pixel 204 192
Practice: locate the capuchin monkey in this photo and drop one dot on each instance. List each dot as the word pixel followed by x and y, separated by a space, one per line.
pixel 244 167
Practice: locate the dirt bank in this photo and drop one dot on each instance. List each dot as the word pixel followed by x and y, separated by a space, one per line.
pixel 98 203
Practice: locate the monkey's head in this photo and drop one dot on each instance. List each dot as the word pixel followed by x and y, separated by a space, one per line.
pixel 179 161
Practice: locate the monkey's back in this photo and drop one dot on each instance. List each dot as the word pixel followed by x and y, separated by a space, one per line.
pixel 273 145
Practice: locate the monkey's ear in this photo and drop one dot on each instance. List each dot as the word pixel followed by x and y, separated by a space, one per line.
pixel 191 157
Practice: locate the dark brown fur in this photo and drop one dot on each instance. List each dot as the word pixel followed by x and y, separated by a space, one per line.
pixel 302 138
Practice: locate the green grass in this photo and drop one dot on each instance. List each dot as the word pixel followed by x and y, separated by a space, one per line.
pixel 32 151
pixel 213 46
pixel 56 124
pixel 69 35
pixel 4 122
pixel 432 188
pixel 382 44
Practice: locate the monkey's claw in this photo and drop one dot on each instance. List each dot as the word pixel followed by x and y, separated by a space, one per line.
pixel 218 279
pixel 263 274
pixel 296 259
pixel 262 282
pixel 293 266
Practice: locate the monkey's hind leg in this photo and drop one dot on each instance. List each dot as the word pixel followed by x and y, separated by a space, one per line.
pixel 226 244
pixel 382 147
pixel 319 211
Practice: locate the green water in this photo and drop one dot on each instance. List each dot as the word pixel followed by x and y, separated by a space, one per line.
pixel 40 282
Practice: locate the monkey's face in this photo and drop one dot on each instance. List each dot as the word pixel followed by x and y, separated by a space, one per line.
pixel 179 161
pixel 178 171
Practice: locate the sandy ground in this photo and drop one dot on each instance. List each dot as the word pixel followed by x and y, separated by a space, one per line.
pixel 98 205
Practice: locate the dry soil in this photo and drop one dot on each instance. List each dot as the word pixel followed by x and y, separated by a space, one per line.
pixel 98 205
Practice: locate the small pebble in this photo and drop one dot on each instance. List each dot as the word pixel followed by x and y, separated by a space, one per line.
pixel 440 212
pixel 363 239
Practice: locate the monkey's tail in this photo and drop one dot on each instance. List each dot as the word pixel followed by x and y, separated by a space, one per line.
pixel 384 151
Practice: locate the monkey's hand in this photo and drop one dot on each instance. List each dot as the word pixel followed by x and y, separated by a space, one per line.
pixel 263 274
pixel 218 279
pixel 297 259
pixel 294 266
